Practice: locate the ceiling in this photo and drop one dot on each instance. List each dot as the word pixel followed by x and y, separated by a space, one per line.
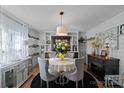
pixel 81 17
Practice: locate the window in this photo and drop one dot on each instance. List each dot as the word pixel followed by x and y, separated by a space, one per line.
pixel 13 36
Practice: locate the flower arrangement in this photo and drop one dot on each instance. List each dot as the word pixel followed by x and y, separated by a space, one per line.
pixel 94 42
pixel 97 42
pixel 61 47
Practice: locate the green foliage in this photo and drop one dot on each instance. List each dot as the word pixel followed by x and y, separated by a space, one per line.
pixel 98 41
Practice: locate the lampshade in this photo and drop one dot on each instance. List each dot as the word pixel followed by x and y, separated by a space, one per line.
pixel 61 31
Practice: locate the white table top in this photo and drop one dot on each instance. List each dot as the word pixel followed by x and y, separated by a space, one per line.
pixel 58 61
pixel 67 64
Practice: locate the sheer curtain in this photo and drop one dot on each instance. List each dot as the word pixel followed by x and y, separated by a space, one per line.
pixel 0 41
pixel 13 37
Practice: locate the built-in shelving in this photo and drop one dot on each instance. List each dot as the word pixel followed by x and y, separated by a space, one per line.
pixel 73 41
pixel 47 44
pixel 33 45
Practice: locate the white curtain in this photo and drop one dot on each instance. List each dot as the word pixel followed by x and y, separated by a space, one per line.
pixel 13 40
pixel 0 41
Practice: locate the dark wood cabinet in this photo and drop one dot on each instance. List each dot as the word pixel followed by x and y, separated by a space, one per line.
pixel 101 66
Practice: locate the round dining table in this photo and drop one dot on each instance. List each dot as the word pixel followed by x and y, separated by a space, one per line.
pixel 62 66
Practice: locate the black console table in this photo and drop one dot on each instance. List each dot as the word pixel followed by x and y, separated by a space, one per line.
pixel 101 66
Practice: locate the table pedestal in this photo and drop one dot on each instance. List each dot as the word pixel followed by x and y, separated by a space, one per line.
pixel 62 67
pixel 62 79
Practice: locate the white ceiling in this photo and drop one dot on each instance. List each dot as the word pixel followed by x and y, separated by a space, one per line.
pixel 81 17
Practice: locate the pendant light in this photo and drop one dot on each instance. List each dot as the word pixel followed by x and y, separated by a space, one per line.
pixel 61 31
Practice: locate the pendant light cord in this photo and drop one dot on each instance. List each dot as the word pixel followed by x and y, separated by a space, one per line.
pixel 61 13
pixel 61 20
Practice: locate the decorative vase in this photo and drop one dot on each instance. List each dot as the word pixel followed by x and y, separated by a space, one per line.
pixel 94 52
pixel 97 51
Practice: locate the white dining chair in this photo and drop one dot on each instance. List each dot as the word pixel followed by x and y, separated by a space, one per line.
pixel 44 71
pixel 78 74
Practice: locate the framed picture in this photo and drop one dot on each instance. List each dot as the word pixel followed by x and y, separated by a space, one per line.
pixel 112 37
pixel 103 53
pixel 122 29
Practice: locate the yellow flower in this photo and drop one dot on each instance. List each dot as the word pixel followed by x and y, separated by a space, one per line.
pixel 60 55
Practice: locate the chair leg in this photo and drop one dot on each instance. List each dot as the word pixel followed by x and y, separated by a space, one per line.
pixel 47 84
pixel 76 84
pixel 41 83
pixel 82 83
pixel 106 83
pixel 112 84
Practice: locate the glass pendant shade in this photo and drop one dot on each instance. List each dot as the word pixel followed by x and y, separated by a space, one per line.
pixel 61 31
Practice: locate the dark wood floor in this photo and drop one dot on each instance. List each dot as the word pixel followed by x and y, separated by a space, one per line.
pixel 36 71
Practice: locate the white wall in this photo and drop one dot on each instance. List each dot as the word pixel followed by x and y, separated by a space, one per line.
pixel 0 78
pixel 121 53
pixel 114 21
